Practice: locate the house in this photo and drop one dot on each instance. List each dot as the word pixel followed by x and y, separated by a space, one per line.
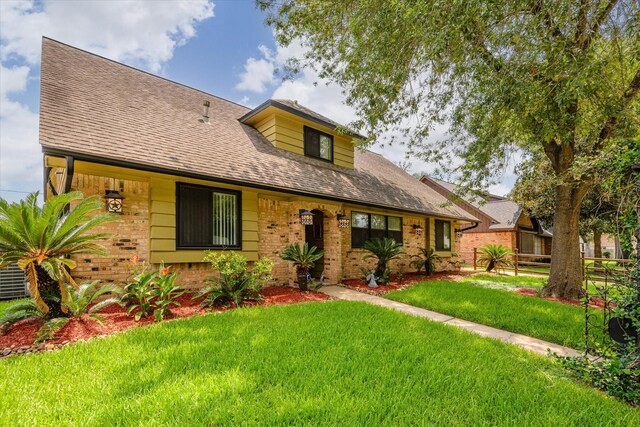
pixel 198 173
pixel 502 221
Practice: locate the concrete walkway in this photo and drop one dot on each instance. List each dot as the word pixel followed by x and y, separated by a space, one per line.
pixel 528 343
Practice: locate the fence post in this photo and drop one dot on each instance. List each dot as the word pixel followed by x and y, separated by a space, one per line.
pixel 584 267
pixel 475 259
pixel 515 264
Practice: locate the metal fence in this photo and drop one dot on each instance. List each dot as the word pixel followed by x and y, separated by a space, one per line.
pixel 12 283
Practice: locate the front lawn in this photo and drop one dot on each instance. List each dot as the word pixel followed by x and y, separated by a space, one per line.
pixel 548 320
pixel 335 363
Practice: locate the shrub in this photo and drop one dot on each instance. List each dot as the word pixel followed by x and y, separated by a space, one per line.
pixel 17 312
pixel 618 376
pixel 236 283
pixel 304 259
pixel 150 292
pixel 79 301
pixel 40 240
pixel 495 256
pixel 427 261
pixel 384 250
pixel 165 293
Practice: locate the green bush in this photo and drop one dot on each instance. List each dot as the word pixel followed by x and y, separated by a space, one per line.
pixel 384 250
pixel 236 283
pixel 150 292
pixel 427 261
pixel 304 258
pixel 495 256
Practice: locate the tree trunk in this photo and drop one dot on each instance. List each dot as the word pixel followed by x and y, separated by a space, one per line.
pixel 50 293
pixel 565 277
pixel 597 246
pixel 302 273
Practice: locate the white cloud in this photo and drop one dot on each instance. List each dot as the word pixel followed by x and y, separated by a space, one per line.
pixel 258 72
pixel 141 33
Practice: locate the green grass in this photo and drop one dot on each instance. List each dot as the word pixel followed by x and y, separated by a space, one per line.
pixel 337 363
pixel 536 317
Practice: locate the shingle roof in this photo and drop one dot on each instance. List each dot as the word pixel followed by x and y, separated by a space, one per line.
pixel 505 212
pixel 97 109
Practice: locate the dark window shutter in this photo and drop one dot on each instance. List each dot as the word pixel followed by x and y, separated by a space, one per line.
pixel 311 142
pixel 195 216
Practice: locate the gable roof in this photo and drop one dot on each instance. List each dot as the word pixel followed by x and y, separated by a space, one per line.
pixel 299 110
pixel 503 212
pixel 99 110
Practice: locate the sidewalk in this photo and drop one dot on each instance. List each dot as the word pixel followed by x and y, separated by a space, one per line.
pixel 528 343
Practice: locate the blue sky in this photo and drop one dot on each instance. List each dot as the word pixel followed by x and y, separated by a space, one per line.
pixel 221 47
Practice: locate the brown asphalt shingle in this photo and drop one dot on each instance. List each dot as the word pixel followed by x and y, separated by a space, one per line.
pixel 95 108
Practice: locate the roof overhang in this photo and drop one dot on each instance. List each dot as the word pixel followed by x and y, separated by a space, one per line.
pixel 177 172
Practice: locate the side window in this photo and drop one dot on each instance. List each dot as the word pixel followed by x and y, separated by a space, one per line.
pixel 318 144
pixel 443 235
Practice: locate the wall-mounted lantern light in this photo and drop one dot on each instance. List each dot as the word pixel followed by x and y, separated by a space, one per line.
pixel 418 229
pixel 343 221
pixel 114 201
pixel 306 217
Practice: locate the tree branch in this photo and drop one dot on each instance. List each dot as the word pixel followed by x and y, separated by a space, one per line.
pixel 597 22
pixel 609 125
pixel 581 29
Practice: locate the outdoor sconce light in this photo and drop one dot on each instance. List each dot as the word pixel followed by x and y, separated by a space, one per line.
pixel 459 234
pixel 343 221
pixel 418 229
pixel 306 217
pixel 114 201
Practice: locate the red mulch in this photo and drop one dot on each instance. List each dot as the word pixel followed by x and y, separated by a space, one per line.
pixel 530 292
pixel 116 319
pixel 407 280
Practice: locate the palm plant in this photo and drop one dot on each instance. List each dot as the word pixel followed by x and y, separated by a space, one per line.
pixel 21 310
pixel 426 260
pixel 304 258
pixel 495 256
pixel 384 250
pixel 42 240
pixel 79 301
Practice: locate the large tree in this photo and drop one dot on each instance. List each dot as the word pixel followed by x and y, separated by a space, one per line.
pixel 561 77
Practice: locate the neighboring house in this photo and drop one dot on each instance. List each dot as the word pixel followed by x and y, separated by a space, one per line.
pixel 198 173
pixel 501 222
pixel 610 247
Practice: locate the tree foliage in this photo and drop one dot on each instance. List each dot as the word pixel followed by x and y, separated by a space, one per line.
pixel 560 78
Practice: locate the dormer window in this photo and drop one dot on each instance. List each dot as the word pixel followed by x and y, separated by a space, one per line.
pixel 318 144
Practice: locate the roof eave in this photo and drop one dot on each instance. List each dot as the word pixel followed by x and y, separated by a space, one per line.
pixel 132 165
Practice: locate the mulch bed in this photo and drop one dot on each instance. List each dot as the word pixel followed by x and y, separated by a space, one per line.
pixel 20 337
pixel 408 280
pixel 594 302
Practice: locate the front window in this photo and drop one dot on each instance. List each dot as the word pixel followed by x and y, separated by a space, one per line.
pixel 443 235
pixel 366 226
pixel 207 218
pixel 318 144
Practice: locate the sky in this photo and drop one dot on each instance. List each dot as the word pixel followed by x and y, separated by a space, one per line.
pixel 220 47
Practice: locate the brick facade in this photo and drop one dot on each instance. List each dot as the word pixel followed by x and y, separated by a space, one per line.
pixel 278 226
pixel 131 232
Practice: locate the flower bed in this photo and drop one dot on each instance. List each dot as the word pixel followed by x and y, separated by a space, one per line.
pixel 594 302
pixel 21 337
pixel 408 279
